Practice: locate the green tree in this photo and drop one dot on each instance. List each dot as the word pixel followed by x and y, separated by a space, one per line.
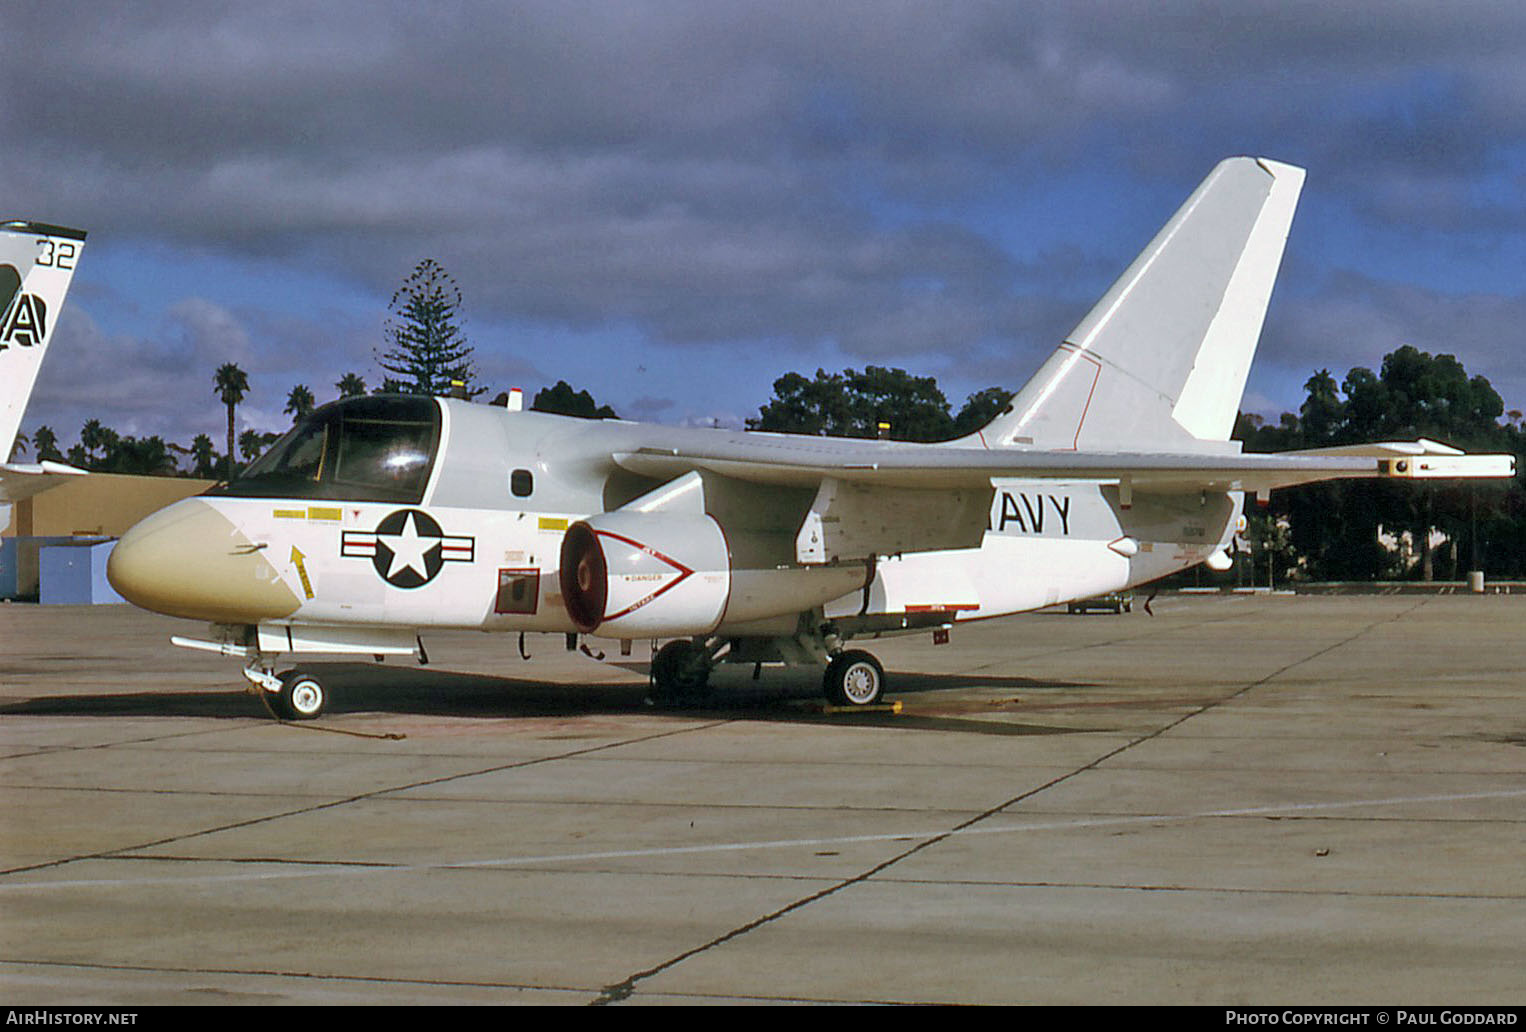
pixel 854 404
pixel 562 400
pixel 1321 411
pixel 350 385
pixel 46 442
pixel 802 406
pixel 1333 526
pixel 980 409
pixel 231 384
pixel 299 402
pixel 204 455
pixel 145 456
pixel 426 347
pixel 252 442
pixel 1271 550
pixel 1417 394
pixel 98 441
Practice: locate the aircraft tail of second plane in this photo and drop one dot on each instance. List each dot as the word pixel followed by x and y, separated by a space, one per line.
pixel 37 262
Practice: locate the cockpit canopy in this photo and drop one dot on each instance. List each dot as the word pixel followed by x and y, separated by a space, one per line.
pixel 379 448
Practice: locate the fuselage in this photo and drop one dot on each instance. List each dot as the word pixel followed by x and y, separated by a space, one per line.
pixel 437 513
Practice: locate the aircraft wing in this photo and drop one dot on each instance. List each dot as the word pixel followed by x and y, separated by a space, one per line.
pixel 805 462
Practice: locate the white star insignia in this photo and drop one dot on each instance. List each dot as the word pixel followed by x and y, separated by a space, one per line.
pixel 408 549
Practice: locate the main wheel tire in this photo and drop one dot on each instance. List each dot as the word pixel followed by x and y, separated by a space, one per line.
pixel 302 696
pixel 854 678
pixel 680 673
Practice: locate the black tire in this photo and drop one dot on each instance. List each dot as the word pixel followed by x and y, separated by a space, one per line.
pixel 680 673
pixel 302 696
pixel 854 678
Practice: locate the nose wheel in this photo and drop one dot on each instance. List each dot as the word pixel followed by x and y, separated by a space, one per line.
pixel 854 678
pixel 302 696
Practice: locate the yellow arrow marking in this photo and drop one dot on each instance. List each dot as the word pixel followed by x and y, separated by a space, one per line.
pixel 297 557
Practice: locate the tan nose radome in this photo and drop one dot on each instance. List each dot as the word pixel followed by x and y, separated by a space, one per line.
pixel 189 560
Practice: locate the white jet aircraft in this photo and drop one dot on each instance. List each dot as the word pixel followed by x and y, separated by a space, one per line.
pixel 37 262
pixel 379 518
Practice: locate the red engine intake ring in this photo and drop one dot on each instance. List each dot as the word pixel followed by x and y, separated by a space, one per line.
pixel 584 576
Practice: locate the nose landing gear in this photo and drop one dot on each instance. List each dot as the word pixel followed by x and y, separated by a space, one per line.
pixel 302 696
pixel 291 695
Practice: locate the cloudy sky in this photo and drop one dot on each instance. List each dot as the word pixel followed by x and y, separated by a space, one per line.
pixel 672 204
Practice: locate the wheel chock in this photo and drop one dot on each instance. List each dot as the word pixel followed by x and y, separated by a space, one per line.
pixel 883 707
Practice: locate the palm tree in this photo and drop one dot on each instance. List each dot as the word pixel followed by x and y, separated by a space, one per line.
pixel 90 436
pixel 231 384
pixel 300 402
pixel 252 442
pixel 350 385
pixel 204 454
pixel 47 444
pixel 147 456
pixel 94 435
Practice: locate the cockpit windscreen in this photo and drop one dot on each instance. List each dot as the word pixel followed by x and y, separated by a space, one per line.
pixel 372 449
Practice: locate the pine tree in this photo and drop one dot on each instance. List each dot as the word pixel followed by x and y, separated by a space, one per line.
pixel 427 348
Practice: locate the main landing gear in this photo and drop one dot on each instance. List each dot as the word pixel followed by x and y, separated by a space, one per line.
pixel 854 678
pixel 680 672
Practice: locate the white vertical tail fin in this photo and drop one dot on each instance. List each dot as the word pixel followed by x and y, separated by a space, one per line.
pixel 1161 360
pixel 37 262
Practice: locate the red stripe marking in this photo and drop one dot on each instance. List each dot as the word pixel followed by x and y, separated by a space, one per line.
pixel 684 573
pixel 1075 443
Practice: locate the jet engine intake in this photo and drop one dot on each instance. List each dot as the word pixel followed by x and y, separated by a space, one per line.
pixel 632 574
pixel 638 575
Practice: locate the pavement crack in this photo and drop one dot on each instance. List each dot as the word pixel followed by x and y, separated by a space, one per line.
pixel 359 797
pixel 623 990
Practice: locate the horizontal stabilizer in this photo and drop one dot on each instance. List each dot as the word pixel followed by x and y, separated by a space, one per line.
pixel 20 480
pixel 1422 459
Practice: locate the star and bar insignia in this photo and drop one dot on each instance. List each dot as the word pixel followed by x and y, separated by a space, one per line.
pixel 408 548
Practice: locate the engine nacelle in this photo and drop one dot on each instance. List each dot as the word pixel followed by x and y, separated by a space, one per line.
pixel 640 575
pixel 633 574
